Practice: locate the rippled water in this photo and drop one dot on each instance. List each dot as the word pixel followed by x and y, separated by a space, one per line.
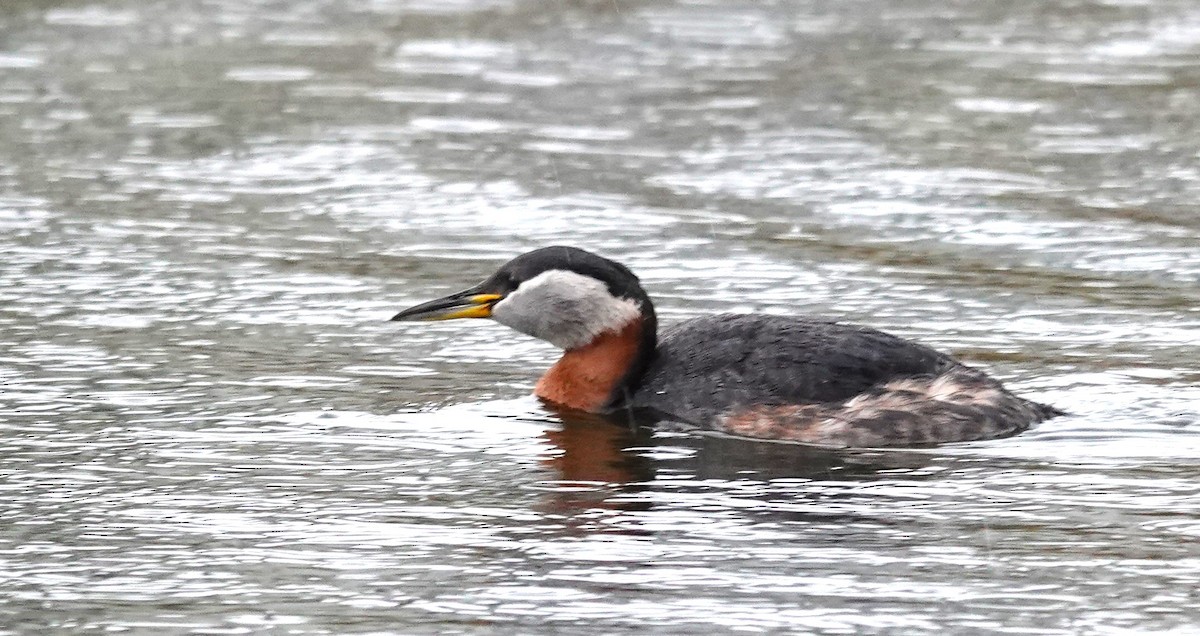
pixel 209 208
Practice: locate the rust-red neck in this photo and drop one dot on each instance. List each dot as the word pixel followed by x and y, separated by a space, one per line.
pixel 587 378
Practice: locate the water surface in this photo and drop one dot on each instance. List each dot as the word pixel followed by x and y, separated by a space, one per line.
pixel 209 208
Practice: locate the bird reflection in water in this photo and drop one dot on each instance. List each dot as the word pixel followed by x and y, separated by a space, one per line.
pixel 613 464
pixel 598 465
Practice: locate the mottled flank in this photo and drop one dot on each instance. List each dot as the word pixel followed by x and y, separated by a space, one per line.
pixel 958 406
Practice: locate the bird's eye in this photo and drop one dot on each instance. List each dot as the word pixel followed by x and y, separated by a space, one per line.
pixel 505 282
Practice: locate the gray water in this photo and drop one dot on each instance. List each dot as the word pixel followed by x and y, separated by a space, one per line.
pixel 209 209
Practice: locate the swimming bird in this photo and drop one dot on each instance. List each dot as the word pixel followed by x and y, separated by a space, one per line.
pixel 783 378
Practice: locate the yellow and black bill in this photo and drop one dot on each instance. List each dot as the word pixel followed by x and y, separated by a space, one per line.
pixel 470 303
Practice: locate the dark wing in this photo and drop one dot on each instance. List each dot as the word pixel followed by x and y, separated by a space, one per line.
pixel 711 365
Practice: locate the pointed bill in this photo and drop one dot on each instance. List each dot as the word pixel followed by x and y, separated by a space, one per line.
pixel 465 304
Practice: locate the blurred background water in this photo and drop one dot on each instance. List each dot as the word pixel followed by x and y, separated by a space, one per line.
pixel 209 208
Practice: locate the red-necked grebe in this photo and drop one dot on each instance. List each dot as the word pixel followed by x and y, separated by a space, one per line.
pixel 770 377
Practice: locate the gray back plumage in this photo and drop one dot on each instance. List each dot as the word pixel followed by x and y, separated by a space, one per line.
pixel 708 365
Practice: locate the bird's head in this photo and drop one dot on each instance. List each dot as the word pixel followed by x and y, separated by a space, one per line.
pixel 563 295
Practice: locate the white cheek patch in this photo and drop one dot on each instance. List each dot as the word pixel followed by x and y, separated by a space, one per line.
pixel 565 309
